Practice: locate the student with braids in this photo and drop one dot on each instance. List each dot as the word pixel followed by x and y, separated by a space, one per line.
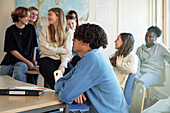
pixel 124 61
pixel 152 56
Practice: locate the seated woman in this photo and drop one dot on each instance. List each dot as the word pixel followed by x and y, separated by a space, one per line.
pixel 73 23
pixel 152 56
pixel 55 44
pixel 124 61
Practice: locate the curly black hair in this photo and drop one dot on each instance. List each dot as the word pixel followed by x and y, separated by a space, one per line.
pixel 155 30
pixel 92 34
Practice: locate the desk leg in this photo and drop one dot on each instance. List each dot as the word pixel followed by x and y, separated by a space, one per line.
pixel 66 109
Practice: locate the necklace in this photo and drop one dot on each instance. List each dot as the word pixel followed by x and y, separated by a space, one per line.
pixel 21 27
pixel 20 31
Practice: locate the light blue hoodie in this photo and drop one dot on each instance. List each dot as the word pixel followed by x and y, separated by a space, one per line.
pixel 94 76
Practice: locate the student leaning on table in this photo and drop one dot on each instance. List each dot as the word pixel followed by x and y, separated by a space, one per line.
pixel 92 79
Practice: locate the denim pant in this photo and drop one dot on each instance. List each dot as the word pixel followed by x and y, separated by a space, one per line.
pixel 162 106
pixel 17 71
pixel 149 79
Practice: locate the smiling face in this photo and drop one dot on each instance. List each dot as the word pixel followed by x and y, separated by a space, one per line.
pixel 52 18
pixel 150 39
pixel 34 16
pixel 118 42
pixel 71 24
pixel 25 20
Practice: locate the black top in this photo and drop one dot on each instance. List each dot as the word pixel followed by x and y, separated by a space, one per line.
pixel 21 40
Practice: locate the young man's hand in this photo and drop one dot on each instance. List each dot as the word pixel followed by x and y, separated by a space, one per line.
pixel 80 99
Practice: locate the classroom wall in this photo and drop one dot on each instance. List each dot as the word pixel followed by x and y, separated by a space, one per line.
pixel 126 18
pixel 133 16
pixel 6 6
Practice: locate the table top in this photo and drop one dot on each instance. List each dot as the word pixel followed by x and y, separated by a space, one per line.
pixel 10 104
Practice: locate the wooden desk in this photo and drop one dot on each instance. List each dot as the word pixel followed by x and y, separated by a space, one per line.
pixel 28 104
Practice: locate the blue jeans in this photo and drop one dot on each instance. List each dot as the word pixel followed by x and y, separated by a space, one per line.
pixel 162 106
pixel 149 79
pixel 17 71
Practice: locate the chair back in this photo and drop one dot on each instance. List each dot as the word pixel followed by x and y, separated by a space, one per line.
pixel 128 88
pixel 138 99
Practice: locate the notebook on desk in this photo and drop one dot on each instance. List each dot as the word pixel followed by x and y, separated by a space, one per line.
pixel 23 91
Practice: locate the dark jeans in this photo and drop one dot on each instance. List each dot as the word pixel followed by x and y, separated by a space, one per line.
pixel 47 66
pixel 33 78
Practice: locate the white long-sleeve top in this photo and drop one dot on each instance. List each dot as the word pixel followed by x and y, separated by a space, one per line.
pixel 129 65
pixel 52 50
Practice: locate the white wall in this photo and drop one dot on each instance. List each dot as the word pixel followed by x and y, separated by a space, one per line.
pixel 133 16
pixel 6 6
pixel 128 16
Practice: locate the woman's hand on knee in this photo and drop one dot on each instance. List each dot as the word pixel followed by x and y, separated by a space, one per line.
pixel 62 68
pixel 30 65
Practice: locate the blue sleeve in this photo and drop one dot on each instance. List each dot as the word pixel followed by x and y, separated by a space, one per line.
pixel 75 82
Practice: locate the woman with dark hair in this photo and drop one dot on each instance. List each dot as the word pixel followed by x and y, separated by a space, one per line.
pixel 75 15
pixel 34 20
pixel 124 61
pixel 56 46
pixel 152 56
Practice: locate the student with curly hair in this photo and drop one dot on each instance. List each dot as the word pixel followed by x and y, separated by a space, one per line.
pixel 92 79
pixel 152 56
pixel 20 45
pixel 124 61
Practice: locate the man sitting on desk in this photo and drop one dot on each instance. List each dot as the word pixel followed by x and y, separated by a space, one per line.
pixel 92 79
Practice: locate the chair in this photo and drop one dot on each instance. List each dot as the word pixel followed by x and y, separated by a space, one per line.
pixel 128 88
pixel 78 107
pixel 138 99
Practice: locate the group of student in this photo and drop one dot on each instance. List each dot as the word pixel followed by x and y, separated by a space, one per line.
pixel 88 77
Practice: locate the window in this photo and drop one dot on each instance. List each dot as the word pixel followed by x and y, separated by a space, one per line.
pixel 166 23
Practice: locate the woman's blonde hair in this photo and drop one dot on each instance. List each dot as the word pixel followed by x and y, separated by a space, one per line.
pixel 37 22
pixel 61 28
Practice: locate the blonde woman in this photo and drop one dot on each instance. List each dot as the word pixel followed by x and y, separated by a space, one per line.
pixel 56 45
